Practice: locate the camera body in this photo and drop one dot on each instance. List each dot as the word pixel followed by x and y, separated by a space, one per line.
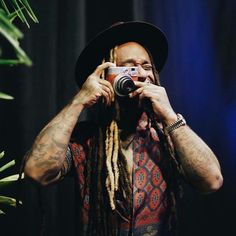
pixel 122 79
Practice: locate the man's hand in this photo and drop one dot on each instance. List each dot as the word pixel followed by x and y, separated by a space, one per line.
pixel 158 98
pixel 200 165
pixel 94 88
pixel 46 160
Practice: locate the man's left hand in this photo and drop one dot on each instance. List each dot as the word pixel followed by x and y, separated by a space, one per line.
pixel 158 98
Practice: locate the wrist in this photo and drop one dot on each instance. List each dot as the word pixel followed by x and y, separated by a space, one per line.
pixel 77 105
pixel 170 119
pixel 180 121
pixel 79 100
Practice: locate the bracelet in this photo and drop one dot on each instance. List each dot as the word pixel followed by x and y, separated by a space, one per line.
pixel 179 122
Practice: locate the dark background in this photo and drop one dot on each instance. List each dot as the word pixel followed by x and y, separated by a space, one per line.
pixel 199 77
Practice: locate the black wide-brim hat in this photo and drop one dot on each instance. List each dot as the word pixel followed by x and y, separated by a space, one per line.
pixel 146 34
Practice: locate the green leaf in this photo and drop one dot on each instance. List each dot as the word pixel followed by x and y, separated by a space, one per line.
pixel 12 34
pixel 13 15
pixel 19 12
pixel 29 10
pixel 5 96
pixel 8 201
pixel 8 165
pixel 9 180
pixel 8 26
pixel 5 6
pixel 9 62
pixel 19 7
pixel 2 212
pixel 2 154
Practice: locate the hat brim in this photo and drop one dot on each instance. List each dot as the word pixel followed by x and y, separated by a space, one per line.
pixel 148 35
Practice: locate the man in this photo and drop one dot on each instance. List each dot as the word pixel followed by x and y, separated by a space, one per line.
pixel 128 156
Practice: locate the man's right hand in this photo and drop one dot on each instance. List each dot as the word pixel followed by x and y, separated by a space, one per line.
pixel 46 160
pixel 94 87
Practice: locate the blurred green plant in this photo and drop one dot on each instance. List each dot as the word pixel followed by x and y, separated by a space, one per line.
pixel 4 200
pixel 11 10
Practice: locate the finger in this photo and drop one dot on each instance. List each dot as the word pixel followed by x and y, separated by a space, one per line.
pixel 109 86
pixel 106 96
pixel 102 67
pixel 144 91
pixel 140 84
pixel 108 91
pixel 136 92
pixel 101 92
pixel 146 94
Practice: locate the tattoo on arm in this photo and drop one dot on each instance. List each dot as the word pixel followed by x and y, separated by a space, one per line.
pixel 197 159
pixel 49 150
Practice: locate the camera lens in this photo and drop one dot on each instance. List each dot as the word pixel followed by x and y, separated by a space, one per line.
pixel 123 85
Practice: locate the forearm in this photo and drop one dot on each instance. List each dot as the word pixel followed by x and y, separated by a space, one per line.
pixel 199 163
pixel 46 158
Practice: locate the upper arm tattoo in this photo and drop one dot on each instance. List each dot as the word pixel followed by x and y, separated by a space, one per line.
pixel 67 164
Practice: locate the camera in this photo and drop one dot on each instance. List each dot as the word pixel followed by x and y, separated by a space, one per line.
pixel 122 79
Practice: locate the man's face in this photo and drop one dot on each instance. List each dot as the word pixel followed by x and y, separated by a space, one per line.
pixel 133 54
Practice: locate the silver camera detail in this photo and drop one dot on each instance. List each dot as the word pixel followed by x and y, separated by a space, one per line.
pixel 122 79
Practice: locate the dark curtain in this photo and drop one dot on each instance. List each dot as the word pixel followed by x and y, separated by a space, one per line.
pixel 199 77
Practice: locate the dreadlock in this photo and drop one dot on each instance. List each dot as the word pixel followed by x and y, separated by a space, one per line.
pixel 107 169
pixel 108 166
pixel 174 188
pixel 112 147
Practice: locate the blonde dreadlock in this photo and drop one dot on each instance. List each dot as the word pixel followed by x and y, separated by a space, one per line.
pixel 116 175
pixel 111 151
pixel 112 147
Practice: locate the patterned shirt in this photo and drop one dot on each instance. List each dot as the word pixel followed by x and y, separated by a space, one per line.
pixel 148 183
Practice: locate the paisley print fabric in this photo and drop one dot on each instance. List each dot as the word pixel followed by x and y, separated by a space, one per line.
pixel 149 186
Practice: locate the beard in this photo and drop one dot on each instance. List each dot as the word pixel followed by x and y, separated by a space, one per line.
pixel 130 110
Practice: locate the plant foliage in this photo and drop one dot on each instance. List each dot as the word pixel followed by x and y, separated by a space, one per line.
pixel 5 200
pixel 9 11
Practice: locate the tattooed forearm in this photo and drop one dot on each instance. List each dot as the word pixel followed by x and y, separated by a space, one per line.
pixel 199 163
pixel 48 153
